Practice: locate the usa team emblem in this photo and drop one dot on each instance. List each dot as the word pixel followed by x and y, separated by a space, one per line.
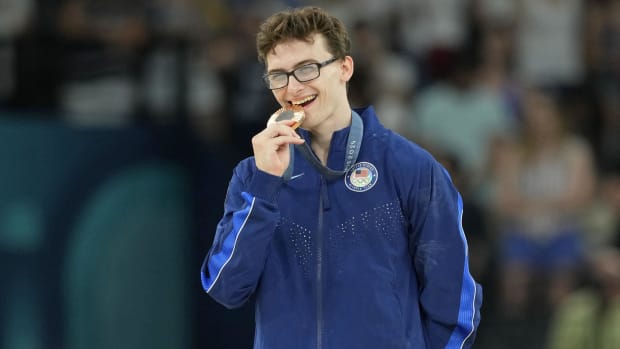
pixel 361 177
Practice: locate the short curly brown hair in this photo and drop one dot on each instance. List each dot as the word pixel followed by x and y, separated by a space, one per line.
pixel 301 24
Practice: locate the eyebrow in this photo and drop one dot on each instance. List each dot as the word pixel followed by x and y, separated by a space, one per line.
pixel 299 64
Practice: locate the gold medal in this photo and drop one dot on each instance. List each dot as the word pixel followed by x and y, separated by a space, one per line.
pixel 292 112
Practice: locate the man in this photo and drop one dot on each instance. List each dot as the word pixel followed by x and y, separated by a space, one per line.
pixel 369 254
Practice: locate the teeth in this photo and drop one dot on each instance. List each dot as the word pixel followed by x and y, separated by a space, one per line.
pixel 307 99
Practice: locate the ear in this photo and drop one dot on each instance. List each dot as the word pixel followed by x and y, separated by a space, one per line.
pixel 346 68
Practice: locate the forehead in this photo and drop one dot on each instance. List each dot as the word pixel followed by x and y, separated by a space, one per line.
pixel 288 54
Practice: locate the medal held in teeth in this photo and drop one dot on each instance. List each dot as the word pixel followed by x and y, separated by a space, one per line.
pixel 291 112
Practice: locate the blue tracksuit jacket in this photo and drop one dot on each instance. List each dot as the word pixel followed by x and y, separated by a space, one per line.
pixel 377 259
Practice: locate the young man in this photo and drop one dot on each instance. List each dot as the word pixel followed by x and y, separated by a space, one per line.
pixel 352 237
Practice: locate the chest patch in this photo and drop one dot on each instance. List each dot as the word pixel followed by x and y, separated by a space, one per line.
pixel 361 177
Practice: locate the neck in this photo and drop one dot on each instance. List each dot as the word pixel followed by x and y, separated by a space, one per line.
pixel 320 146
pixel 322 137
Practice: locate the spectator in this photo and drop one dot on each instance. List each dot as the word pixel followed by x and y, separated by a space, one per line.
pixel 549 50
pixel 434 31
pixel 496 68
pixel 543 182
pixel 460 117
pixel 590 317
pixel 103 42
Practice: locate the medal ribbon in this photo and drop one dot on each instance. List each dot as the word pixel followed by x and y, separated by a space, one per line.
pixel 354 143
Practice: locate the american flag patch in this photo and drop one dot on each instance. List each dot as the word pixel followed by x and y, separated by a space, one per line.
pixel 361 177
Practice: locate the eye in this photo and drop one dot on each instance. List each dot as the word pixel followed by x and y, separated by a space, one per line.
pixel 277 77
pixel 306 70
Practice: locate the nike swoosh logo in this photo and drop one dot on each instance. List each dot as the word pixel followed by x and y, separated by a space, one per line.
pixel 296 176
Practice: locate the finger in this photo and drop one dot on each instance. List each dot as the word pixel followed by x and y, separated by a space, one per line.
pixel 281 129
pixel 285 140
pixel 276 137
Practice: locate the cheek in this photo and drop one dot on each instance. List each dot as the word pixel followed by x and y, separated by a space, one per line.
pixel 279 96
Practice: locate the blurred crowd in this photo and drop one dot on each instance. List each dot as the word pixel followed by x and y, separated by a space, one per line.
pixel 519 99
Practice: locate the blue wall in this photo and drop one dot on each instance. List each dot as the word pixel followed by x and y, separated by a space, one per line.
pixel 102 233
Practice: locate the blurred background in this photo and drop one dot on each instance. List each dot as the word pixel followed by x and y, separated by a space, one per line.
pixel 121 121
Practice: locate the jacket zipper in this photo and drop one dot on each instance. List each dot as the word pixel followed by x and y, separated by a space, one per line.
pixel 319 268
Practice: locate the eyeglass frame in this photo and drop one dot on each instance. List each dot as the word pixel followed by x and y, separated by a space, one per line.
pixel 288 74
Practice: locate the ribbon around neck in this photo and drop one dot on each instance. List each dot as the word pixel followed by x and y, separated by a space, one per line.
pixel 354 143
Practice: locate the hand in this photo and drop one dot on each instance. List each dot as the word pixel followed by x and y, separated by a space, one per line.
pixel 271 147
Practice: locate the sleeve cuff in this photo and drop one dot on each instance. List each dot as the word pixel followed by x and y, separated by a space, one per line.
pixel 265 186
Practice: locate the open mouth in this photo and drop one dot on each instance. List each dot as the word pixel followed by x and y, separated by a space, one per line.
pixel 304 102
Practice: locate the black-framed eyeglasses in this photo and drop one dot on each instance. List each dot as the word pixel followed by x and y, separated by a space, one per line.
pixel 303 73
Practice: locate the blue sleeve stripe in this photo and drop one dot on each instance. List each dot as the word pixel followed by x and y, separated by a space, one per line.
pixel 467 310
pixel 218 261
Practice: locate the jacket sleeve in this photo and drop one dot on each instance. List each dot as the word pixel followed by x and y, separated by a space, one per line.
pixel 233 266
pixel 450 299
